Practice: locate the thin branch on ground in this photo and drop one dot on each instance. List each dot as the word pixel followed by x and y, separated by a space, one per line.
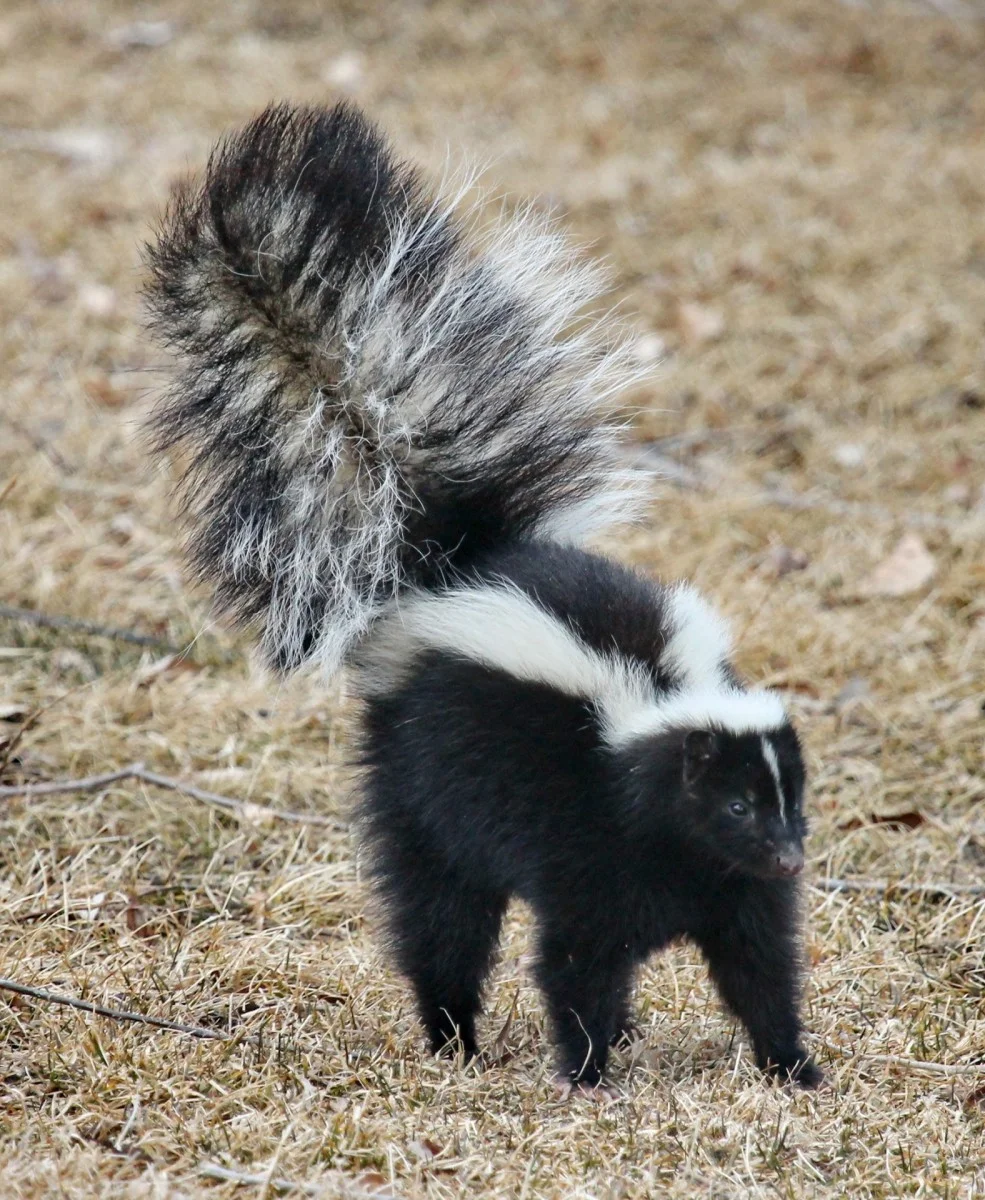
pixel 51 621
pixel 91 783
pixel 243 808
pixel 275 1182
pixel 919 1064
pixel 896 885
pixel 846 508
pixel 901 1060
pixel 128 1125
pixel 693 478
pixel 346 1187
pixel 10 985
pixel 40 444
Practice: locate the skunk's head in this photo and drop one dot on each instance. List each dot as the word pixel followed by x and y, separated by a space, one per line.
pixel 742 799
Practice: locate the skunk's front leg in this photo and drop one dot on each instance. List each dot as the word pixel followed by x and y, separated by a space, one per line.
pixel 751 945
pixel 586 989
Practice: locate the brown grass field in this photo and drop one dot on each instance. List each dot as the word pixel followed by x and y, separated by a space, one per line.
pixel 790 195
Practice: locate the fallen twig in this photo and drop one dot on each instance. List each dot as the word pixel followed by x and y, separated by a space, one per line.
pixel 919 1064
pixel 900 1060
pixel 279 1184
pixel 896 885
pixel 90 783
pixel 40 444
pixel 33 617
pixel 844 508
pixel 128 1125
pixel 337 1186
pixel 137 770
pixel 694 478
pixel 937 1068
pixel 9 985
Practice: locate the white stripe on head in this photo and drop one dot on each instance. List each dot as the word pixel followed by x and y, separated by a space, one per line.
pixel 728 709
pixel 774 768
pixel 698 649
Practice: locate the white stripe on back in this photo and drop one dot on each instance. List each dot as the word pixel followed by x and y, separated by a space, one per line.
pixel 503 628
pixel 699 644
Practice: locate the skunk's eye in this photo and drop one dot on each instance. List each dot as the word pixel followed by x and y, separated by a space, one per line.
pixel 738 809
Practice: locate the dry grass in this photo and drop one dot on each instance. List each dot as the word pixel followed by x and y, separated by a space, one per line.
pixel 812 173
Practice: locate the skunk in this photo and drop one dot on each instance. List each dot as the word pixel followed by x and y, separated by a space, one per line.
pixel 395 443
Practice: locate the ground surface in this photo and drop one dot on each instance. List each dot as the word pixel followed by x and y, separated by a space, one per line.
pixel 791 197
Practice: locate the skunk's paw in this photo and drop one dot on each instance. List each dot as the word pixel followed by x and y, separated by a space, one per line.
pixel 601 1093
pixel 801 1070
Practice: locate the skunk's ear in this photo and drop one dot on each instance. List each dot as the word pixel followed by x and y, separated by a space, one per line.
pixel 700 751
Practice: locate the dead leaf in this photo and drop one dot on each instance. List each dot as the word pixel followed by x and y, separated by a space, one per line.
pixel 975 1099
pixel 345 72
pixel 849 455
pixel 784 559
pixel 698 324
pixel 958 493
pixel 425 1150
pixel 121 528
pixel 167 665
pixel 648 349
pixel 143 35
pixel 94 147
pixel 256 814
pixel 905 570
pixel 376 1184
pixel 138 919
pixel 99 388
pixel 800 687
pixel 904 820
pixel 865 58
pixel 853 690
pixel 97 299
pixel 145 675
pixel 66 661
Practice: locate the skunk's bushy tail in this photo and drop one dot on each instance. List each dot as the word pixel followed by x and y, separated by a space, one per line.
pixel 368 393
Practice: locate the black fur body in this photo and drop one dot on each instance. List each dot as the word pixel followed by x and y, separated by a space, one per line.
pixel 394 441
pixel 481 788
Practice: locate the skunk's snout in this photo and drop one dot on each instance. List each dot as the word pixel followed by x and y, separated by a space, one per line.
pixel 789 860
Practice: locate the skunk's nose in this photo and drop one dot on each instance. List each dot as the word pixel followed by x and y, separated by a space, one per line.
pixel 789 860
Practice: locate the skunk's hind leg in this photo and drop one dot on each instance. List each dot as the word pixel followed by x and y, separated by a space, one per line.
pixel 443 929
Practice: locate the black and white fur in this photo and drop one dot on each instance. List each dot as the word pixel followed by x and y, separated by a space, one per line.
pixel 394 439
